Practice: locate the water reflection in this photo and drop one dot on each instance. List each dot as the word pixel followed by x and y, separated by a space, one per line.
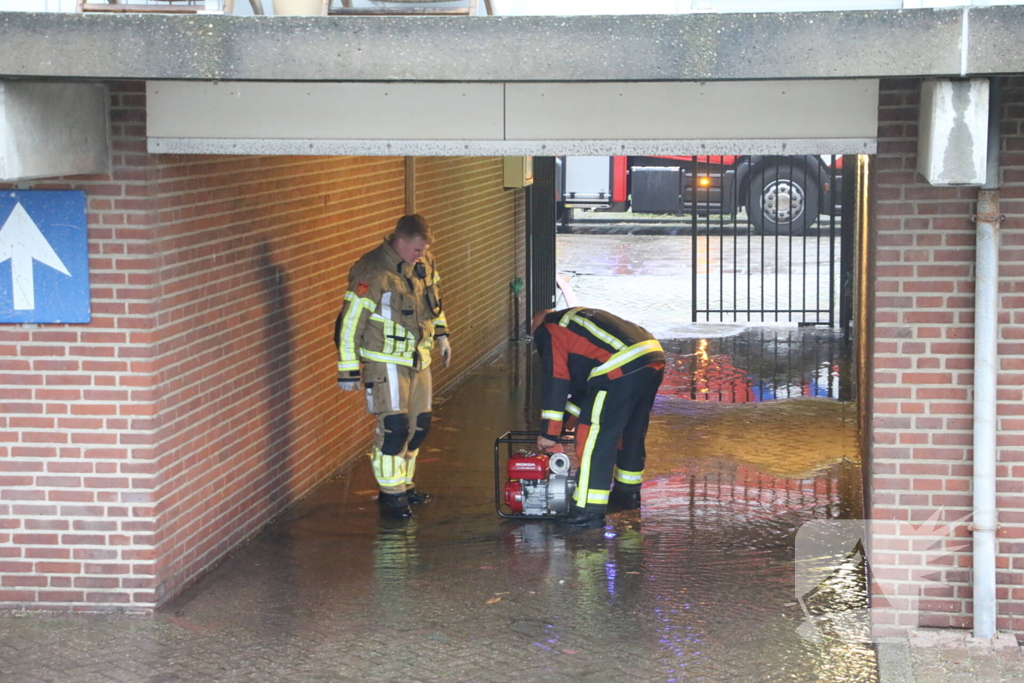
pixel 700 584
pixel 760 364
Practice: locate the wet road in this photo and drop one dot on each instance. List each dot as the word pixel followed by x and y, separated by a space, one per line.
pixel 698 585
pixel 759 274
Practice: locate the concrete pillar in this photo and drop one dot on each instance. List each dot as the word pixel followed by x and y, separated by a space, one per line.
pixel 53 129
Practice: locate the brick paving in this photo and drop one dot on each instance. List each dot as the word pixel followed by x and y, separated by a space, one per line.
pixel 949 656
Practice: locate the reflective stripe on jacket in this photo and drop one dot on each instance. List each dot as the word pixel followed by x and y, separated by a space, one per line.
pixel 391 314
pixel 583 350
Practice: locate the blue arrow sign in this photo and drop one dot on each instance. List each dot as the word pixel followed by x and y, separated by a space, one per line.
pixel 44 257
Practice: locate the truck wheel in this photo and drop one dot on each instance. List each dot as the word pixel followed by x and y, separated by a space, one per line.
pixel 782 200
pixel 563 218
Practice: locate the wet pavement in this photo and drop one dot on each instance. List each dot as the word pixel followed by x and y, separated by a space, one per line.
pixel 759 273
pixel 698 585
pixel 752 436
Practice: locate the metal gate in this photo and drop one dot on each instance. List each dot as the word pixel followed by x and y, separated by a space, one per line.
pixel 767 233
pixel 540 236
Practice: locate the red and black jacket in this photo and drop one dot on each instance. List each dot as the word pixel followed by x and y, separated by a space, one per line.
pixel 583 350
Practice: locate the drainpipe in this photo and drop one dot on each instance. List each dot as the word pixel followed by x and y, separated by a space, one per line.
pixel 986 330
pixel 864 314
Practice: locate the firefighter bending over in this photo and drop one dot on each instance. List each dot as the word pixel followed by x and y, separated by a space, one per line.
pixel 612 368
pixel 391 320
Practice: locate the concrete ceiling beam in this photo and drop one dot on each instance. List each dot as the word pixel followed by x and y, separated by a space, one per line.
pixel 686 47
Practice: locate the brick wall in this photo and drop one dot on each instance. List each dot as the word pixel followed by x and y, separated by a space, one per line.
pixel 200 401
pixel 476 257
pixel 923 359
pixel 75 447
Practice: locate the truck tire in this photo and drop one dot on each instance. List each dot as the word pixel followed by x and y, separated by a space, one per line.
pixel 782 200
pixel 563 216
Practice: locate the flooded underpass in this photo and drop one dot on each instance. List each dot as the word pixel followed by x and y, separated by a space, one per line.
pixel 697 585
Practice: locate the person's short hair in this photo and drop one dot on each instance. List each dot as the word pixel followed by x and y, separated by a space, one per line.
pixel 413 225
pixel 539 318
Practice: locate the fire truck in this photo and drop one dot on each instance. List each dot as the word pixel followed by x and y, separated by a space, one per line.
pixel 783 195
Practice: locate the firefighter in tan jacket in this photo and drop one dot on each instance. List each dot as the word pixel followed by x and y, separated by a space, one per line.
pixel 391 320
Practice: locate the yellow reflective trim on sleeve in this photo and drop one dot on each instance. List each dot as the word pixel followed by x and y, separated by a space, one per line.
pixel 348 366
pixel 347 338
pixel 440 321
pixel 627 477
pixel 424 351
pixel 552 415
pixel 617 360
pixel 572 408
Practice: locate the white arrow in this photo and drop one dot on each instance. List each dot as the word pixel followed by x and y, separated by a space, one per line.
pixel 21 241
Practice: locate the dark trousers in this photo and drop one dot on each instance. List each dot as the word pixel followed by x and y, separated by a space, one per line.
pixel 611 433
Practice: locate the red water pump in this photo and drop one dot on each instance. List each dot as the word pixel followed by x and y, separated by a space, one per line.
pixel 539 484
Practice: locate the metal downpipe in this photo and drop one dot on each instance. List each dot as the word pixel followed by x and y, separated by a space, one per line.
pixel 986 331
pixel 863 318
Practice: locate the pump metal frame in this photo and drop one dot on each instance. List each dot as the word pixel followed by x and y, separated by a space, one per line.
pixel 510 440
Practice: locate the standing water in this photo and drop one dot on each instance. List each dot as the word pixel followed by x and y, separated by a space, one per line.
pixel 698 585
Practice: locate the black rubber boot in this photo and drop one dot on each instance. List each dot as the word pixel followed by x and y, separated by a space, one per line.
pixel 624 497
pixel 589 517
pixel 417 497
pixel 394 505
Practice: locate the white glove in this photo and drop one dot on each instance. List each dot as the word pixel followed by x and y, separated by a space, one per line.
pixel 446 350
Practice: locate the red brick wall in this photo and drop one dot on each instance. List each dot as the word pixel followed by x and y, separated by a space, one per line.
pixel 200 401
pixel 923 359
pixel 76 445
pixel 252 256
pixel 480 249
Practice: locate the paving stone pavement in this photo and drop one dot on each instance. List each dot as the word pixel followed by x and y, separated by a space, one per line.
pixel 698 585
pixel 644 274
pixel 949 656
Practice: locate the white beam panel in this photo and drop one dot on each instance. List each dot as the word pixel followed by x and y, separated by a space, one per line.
pixel 324 111
pixel 726 110
pixel 485 119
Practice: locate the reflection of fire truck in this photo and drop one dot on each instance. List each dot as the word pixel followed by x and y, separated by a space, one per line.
pixel 780 194
pixel 702 376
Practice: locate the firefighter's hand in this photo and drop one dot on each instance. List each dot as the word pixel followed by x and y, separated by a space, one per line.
pixel 545 444
pixel 348 384
pixel 446 350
